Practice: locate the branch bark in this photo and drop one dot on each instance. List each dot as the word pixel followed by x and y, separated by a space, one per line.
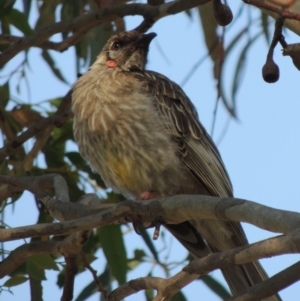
pixel 291 15
pixel 175 209
pixel 93 19
pixel 60 117
pixel 171 210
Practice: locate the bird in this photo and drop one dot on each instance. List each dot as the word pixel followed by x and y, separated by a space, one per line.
pixel 142 134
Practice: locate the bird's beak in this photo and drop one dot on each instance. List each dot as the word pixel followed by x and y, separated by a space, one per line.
pixel 145 40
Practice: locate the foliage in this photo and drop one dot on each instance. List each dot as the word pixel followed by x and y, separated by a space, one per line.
pixel 51 145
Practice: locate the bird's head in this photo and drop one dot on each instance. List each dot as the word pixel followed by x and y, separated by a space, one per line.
pixel 126 50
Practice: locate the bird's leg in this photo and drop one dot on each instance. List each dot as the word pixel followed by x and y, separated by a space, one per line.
pixel 156 230
pixel 136 222
pixel 145 196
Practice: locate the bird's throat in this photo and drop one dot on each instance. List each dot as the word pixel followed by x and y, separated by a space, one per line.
pixel 111 64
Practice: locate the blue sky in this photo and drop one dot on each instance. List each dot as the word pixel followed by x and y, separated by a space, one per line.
pixel 260 150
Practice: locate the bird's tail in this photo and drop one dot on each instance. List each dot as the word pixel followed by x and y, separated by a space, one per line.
pixel 241 277
pixel 238 277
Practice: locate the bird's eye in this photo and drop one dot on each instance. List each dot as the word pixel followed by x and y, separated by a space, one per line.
pixel 116 45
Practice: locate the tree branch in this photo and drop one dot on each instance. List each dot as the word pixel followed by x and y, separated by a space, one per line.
pixel 292 16
pixel 60 117
pixel 95 18
pixel 166 288
pixel 99 285
pixel 20 254
pixel 71 271
pixel 279 11
pixel 283 244
pixel 270 286
pixel 171 210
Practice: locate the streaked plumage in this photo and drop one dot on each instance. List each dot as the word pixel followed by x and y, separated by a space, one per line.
pixel 141 132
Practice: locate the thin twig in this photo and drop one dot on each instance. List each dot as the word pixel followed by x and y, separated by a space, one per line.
pixel 71 271
pixel 282 13
pixel 92 19
pixel 60 117
pixel 101 288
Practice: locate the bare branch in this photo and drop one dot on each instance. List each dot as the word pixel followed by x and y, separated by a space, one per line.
pixel 293 51
pixel 175 209
pixel 41 140
pixel 281 12
pixel 284 244
pixel 71 271
pixel 270 286
pixel 60 117
pixel 95 18
pixel 171 210
pixel 8 190
pixel 101 288
pixel 166 288
pixel 37 185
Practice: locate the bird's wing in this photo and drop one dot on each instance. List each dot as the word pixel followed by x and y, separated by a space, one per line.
pixel 200 155
pixel 195 146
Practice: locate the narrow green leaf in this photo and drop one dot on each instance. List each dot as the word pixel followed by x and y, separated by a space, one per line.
pixel 49 60
pixel 215 286
pixel 27 6
pixel 82 53
pixel 87 291
pixel 5 7
pixel 54 155
pixel 46 14
pixel 114 250
pixel 44 261
pixel 69 10
pixel 20 270
pixel 77 160
pixel 97 38
pixel 178 297
pixel 19 20
pixel 149 294
pixel 235 40
pixel 139 255
pixel 189 13
pixel 34 271
pixel 60 135
pixel 265 26
pixel 61 278
pixel 14 281
pixel 209 27
pixel 91 288
pixel 236 83
pixel 149 242
pixel 82 165
pixel 89 258
pixel 4 94
pixel 230 107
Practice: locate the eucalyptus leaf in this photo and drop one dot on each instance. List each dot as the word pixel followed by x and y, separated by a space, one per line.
pixel 14 281
pixel 114 250
pixel 215 286
pixel 19 20
pixel 51 63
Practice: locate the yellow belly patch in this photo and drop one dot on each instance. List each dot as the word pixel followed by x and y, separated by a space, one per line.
pixel 125 171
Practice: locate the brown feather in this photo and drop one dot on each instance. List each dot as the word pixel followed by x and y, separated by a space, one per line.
pixel 142 133
pixel 199 154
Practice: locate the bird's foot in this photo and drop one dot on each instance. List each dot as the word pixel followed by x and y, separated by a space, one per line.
pixel 147 195
pixel 136 223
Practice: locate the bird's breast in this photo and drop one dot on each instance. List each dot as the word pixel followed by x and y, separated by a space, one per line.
pixel 124 139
